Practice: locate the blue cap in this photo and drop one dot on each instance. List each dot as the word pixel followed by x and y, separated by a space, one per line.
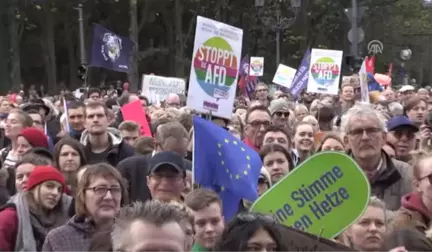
pixel 167 158
pixel 401 121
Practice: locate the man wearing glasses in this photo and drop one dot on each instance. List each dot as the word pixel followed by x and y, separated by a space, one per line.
pixel 167 176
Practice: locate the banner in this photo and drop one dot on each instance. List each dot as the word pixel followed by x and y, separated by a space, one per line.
pixel 364 87
pixel 215 68
pixel 323 196
pixel 284 75
pixel 324 72
pixel 301 77
pixel 256 66
pixel 109 50
pixel 157 88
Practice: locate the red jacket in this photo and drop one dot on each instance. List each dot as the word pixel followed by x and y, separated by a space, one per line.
pixel 8 229
pixel 250 144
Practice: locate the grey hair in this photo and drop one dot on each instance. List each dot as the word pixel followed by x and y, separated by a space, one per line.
pixel 154 212
pixel 362 110
pixel 396 108
pixel 376 202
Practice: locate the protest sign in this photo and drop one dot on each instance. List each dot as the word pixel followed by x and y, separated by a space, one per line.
pixel 324 71
pixel 301 77
pixel 256 66
pixel 157 88
pixel 323 196
pixel 215 68
pixel 296 240
pixel 364 87
pixel 134 112
pixel 284 75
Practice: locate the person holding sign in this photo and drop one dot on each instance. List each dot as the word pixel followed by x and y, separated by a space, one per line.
pixel 365 133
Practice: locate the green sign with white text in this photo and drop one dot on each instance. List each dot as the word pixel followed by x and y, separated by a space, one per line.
pixel 323 196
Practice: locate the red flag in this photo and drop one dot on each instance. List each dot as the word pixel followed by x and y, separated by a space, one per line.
pixel 370 64
pixel 133 112
pixel 390 69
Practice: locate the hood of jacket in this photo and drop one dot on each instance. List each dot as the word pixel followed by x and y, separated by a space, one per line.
pixel 82 225
pixel 413 202
pixel 113 134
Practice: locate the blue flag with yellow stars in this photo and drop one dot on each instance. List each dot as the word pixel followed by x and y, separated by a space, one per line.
pixel 225 164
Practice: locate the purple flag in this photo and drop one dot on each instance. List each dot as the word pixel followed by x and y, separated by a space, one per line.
pixel 110 50
pixel 301 77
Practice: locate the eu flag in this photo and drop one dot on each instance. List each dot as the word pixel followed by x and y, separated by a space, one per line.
pixel 225 164
pixel 110 50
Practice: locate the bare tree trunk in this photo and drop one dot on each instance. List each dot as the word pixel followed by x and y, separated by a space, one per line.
pixel 72 66
pixel 15 61
pixel 178 12
pixel 133 36
pixel 4 49
pixel 49 37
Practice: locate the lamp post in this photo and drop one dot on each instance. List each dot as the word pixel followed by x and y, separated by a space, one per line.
pixel 279 23
pixel 405 55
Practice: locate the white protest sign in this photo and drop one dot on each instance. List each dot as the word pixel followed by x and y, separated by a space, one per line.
pixel 157 88
pixel 256 66
pixel 324 71
pixel 364 87
pixel 215 67
pixel 284 75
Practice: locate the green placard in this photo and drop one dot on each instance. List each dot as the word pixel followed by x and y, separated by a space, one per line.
pixel 324 195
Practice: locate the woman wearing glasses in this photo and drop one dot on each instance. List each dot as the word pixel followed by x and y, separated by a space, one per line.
pixel 251 232
pixel 100 193
pixel 416 209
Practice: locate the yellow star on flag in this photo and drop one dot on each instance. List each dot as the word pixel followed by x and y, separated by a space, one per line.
pixel 226 140
pixel 237 176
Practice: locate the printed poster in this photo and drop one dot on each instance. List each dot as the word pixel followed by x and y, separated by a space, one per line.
pixel 284 75
pixel 323 201
pixel 364 87
pixel 256 66
pixel 157 88
pixel 324 71
pixel 215 68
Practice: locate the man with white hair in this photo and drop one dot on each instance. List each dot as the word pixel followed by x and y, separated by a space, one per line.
pixel 172 100
pixel 365 134
pixel 422 93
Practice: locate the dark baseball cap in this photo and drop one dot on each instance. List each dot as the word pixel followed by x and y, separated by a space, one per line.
pixel 167 158
pixel 399 122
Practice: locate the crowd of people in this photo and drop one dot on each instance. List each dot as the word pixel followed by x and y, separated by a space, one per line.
pixel 75 176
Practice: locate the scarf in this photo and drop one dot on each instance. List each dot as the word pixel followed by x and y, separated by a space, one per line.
pixel 29 222
pixel 24 225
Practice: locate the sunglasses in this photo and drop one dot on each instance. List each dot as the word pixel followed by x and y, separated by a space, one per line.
pixel 280 114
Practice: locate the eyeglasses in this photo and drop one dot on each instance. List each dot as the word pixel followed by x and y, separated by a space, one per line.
pixel 280 114
pixel 429 177
pixel 249 217
pixel 360 132
pixel 158 176
pixel 257 124
pixel 102 190
pixel 399 133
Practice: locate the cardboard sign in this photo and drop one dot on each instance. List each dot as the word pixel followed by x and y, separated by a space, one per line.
pixel 157 88
pixel 134 112
pixel 284 75
pixel 296 240
pixel 215 68
pixel 256 66
pixel 324 71
pixel 323 196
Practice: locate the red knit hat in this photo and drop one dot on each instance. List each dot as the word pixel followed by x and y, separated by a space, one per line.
pixel 42 174
pixel 35 137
